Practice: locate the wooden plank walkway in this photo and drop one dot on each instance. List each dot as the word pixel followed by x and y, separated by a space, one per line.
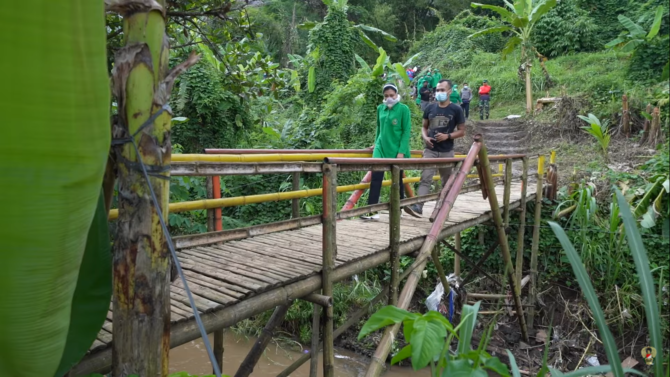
pixel 222 275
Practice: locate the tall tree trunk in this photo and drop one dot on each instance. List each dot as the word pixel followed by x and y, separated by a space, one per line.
pixel 142 86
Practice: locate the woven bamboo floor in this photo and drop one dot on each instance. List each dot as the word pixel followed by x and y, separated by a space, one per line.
pixel 225 274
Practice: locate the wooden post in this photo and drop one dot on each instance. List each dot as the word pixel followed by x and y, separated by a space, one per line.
pixel 394 233
pixel 645 127
pixel 314 351
pixel 216 190
pixel 295 203
pixel 536 241
pixel 210 212
pixel 329 255
pixel 655 128
pixel 480 234
pixel 502 239
pixel 457 258
pixel 507 193
pixel 262 342
pixel 625 116
pixel 522 222
pixel 218 347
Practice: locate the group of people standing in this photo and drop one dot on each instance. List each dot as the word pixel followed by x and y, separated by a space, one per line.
pixel 443 122
pixel 427 85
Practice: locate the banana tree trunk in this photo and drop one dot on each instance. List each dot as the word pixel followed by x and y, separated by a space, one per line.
pixel 142 86
pixel 529 90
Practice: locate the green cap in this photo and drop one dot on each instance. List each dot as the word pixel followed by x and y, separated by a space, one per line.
pixel 485 81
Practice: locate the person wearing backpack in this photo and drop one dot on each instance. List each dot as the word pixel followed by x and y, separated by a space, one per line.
pixel 466 97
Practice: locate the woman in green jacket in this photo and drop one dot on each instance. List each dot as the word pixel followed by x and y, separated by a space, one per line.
pixel 394 129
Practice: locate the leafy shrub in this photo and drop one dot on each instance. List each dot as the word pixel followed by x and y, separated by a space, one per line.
pixel 566 29
pixel 648 60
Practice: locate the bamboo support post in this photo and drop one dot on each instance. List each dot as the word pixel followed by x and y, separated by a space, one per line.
pixel 502 238
pixel 457 258
pixel 480 234
pixel 536 241
pixel 394 234
pixel 522 222
pixel 295 203
pixel 314 351
pixel 210 212
pixel 216 190
pixel 379 358
pixel 645 127
pixel 440 271
pixel 321 300
pixel 443 193
pixel 507 193
pixel 655 128
pixel 218 347
pixel 329 255
pixel 247 366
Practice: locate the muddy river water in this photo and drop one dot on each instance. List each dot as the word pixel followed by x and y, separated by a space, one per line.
pixel 192 357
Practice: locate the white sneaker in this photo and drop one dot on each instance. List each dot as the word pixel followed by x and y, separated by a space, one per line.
pixel 371 216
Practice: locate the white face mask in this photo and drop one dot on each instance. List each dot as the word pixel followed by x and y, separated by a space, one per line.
pixel 390 101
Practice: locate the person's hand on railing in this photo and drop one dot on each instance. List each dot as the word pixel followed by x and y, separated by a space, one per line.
pixel 372 147
pixel 400 155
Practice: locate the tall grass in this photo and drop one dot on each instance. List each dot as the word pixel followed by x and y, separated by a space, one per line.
pixel 647 288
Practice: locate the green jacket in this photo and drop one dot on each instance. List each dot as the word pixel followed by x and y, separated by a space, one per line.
pixel 436 79
pixel 455 97
pixel 394 128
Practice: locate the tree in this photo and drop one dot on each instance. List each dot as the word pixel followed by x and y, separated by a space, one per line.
pixel 142 84
pixel 521 17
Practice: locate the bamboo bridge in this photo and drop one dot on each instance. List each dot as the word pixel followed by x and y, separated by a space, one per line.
pixel 238 273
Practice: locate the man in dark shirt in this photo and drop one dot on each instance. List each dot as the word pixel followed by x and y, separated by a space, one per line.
pixel 425 93
pixel 442 123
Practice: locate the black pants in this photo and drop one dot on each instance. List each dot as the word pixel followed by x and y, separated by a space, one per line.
pixel 376 187
pixel 466 109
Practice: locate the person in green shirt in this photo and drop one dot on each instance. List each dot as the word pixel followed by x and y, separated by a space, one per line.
pixel 394 128
pixel 437 76
pixel 455 97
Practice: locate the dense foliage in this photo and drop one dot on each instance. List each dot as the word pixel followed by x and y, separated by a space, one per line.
pixel 567 29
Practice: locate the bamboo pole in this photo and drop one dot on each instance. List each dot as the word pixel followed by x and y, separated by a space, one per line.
pixel 394 234
pixel 218 347
pixel 502 238
pixel 262 198
pixel 507 193
pixel 216 191
pixel 274 157
pixel 329 255
pixel 440 271
pixel 141 85
pixel 321 300
pixel 536 241
pixel 314 351
pixel 295 204
pixel 379 357
pixel 522 222
pixel 247 366
pixel 353 199
pixel 457 258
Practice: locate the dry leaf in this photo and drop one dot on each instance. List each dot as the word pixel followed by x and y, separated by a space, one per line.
pixel 541 337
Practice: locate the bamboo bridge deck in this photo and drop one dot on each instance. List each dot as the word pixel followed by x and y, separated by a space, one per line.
pixel 288 264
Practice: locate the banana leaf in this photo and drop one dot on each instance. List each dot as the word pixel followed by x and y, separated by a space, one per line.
pixel 54 141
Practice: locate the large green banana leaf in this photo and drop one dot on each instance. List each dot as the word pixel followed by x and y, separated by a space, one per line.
pixel 54 139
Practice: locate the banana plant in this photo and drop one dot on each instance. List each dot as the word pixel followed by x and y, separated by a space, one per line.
pixel 655 203
pixel 635 35
pixel 520 18
pixel 55 285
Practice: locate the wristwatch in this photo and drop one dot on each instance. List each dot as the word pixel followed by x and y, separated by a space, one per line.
pixel 449 136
